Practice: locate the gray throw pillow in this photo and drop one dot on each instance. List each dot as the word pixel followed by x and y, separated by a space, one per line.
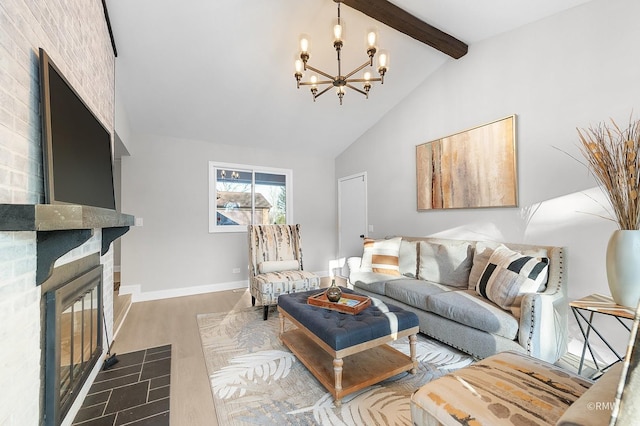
pixel 447 264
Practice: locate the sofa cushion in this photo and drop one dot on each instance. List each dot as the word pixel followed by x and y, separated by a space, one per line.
pixel 482 253
pixel 267 287
pixel 287 277
pixel 508 275
pixel 278 265
pixel 447 264
pixel 466 307
pixel 408 258
pixel 381 256
pixel 414 292
pixel 372 281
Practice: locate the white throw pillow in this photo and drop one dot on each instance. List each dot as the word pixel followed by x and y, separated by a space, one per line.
pixel 408 258
pixel 278 266
pixel 381 256
pixel 508 275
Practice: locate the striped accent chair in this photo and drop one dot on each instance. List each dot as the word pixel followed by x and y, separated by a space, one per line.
pixel 275 264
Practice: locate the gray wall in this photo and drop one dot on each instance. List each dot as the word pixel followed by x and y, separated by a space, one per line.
pixel 570 70
pixel 165 182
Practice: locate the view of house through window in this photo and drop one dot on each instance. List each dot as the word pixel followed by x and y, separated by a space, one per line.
pixel 241 195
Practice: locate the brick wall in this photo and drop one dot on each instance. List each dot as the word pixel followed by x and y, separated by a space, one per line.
pixel 74 34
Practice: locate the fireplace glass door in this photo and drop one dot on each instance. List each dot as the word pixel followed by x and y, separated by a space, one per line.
pixel 79 324
pixel 73 340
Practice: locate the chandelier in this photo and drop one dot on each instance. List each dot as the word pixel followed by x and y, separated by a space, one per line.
pixel 340 81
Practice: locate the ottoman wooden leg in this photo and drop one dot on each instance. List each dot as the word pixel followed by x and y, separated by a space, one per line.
pixel 412 348
pixel 337 371
pixel 281 324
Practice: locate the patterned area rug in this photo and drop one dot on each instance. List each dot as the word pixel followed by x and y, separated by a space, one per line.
pixel 255 379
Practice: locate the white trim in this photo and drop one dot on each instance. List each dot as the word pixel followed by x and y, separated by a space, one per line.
pixel 363 175
pixel 139 296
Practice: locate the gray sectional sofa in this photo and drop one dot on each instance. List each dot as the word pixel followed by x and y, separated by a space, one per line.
pixel 438 280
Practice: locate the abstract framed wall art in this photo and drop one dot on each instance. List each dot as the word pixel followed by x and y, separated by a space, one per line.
pixel 471 169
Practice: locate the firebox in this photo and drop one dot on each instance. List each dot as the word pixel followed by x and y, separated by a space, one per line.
pixel 72 333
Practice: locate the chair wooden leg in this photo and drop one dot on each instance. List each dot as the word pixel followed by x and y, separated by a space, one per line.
pixel 266 312
pixel 253 301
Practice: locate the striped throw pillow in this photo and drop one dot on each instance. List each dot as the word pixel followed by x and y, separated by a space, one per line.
pixel 508 275
pixel 381 256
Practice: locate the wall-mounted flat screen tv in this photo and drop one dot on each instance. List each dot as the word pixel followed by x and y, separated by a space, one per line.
pixel 77 154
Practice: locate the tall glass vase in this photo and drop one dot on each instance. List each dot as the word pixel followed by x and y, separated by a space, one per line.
pixel 623 267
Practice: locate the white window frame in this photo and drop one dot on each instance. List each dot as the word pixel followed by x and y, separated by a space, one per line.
pixel 213 178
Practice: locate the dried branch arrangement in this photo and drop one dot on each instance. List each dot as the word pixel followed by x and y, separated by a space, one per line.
pixel 612 157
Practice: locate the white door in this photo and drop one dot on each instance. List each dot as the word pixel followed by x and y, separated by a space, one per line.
pixel 352 214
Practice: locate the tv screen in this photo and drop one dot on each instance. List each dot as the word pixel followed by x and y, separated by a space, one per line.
pixel 78 164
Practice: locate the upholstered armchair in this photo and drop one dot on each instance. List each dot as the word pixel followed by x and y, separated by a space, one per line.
pixel 513 388
pixel 275 264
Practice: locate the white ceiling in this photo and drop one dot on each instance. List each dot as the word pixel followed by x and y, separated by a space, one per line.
pixel 222 71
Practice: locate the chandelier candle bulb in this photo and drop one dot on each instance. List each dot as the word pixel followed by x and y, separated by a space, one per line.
pixel 337 32
pixel 371 46
pixel 304 45
pixel 371 39
pixel 383 64
pixel 382 60
pixel 298 73
pixel 367 83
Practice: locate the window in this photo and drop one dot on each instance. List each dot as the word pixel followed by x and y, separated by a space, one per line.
pixel 240 195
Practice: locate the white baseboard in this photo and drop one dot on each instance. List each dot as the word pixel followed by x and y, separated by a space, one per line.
pixel 139 296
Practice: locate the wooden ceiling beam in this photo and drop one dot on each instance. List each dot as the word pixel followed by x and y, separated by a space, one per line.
pixel 397 18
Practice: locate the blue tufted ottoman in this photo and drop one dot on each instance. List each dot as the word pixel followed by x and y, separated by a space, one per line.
pixel 347 352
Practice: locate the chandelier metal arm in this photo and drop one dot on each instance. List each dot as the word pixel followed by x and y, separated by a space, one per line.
pixel 356 89
pixel 323 91
pixel 308 83
pixel 360 68
pixel 322 73
pixel 362 80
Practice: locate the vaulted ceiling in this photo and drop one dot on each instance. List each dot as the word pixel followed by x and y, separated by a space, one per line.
pixel 223 71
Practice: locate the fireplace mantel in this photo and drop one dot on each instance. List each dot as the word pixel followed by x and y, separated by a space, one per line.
pixel 62 227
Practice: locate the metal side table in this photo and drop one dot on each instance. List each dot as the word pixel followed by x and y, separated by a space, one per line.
pixel 598 304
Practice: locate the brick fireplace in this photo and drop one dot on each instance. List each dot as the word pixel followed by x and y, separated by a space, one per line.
pixel 75 34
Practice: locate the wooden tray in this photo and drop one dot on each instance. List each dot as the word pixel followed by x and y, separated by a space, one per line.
pixel 349 303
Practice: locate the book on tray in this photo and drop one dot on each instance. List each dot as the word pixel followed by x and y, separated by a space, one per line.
pixel 348 302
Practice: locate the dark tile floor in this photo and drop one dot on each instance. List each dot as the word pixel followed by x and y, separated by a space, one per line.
pixel 133 392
